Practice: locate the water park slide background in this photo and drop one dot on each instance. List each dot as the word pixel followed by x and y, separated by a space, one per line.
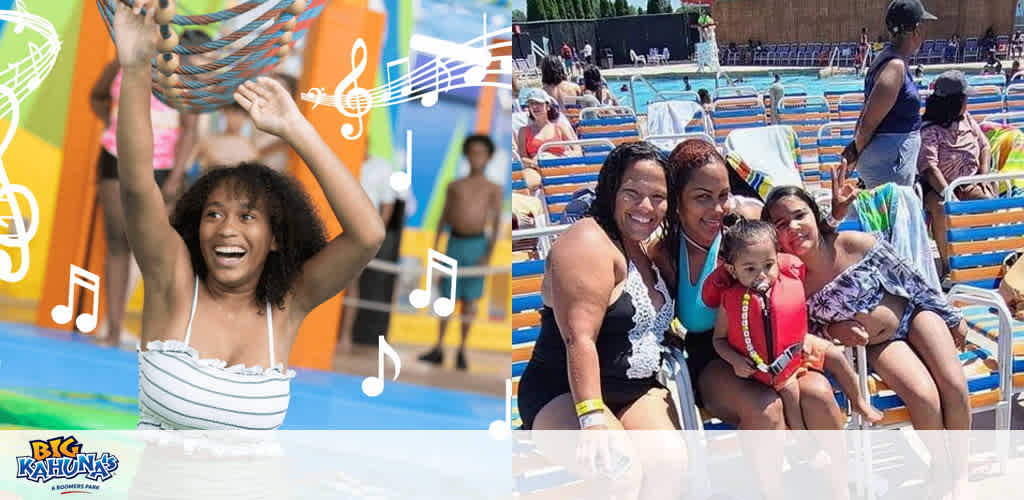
pixel 35 157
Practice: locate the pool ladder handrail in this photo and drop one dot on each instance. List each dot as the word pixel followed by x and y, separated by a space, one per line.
pixel 632 91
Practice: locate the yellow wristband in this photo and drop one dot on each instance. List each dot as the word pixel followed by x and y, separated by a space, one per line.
pixel 589 406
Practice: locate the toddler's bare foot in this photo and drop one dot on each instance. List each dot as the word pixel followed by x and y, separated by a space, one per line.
pixel 870 413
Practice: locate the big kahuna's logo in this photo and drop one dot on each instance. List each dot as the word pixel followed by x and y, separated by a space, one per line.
pixel 63 458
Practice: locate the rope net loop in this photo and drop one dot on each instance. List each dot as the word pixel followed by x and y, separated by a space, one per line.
pixel 202 78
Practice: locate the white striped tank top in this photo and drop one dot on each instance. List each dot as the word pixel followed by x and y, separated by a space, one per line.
pixel 178 390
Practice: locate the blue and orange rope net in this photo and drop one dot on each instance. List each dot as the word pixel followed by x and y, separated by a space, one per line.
pixel 207 87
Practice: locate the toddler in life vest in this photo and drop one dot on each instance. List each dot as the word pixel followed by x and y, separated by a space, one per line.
pixel 761 328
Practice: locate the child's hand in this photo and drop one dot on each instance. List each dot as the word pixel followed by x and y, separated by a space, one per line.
pixel 849 332
pixel 271 107
pixel 743 367
pixel 960 335
pixel 135 33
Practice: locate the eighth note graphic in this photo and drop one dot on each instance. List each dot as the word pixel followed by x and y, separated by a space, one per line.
pixel 501 428
pixel 400 181
pixel 61 313
pixel 449 66
pixel 373 386
pixel 443 306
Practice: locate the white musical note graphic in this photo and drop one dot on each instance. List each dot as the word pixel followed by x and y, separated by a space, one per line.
pixel 317 93
pixel 500 429
pixel 357 97
pixel 61 313
pixel 478 72
pixel 403 90
pixel 17 236
pixel 27 74
pixel 374 386
pixel 450 66
pixel 443 306
pixel 34 53
pixel 400 181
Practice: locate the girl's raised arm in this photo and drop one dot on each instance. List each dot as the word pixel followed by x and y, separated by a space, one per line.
pixel 156 245
pixel 327 273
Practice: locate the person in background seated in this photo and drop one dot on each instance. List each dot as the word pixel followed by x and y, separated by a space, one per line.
pixel 556 81
pixel 988 40
pixel 517 107
pixel 919 77
pixel 705 100
pixel 952 146
pixel 274 151
pixel 595 89
pixel 544 126
pixel 471 204
pixel 992 64
pixel 953 48
pixel 1017 45
pixel 230 148
pixel 1014 69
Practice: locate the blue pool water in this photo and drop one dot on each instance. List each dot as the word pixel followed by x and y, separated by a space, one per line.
pixel 66 368
pixel 808 81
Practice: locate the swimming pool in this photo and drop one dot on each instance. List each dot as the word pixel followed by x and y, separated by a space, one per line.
pixel 55 380
pixel 809 81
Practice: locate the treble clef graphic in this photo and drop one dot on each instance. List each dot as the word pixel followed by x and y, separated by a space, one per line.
pixel 357 98
pixel 315 95
pixel 18 236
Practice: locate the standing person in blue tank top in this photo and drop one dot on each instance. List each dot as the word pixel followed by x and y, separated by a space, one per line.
pixel 888 136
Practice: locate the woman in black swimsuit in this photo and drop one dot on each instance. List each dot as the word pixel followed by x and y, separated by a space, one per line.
pixel 606 310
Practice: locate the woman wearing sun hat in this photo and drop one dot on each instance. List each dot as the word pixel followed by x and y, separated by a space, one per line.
pixel 543 126
pixel 888 138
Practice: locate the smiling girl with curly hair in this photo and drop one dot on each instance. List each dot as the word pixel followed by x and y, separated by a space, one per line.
pixel 244 254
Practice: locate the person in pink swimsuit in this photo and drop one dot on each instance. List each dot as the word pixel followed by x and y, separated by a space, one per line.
pixel 174 136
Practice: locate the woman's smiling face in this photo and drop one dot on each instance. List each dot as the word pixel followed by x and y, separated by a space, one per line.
pixel 235 236
pixel 794 221
pixel 641 201
pixel 703 202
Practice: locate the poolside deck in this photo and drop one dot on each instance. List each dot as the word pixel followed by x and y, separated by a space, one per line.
pixel 690 69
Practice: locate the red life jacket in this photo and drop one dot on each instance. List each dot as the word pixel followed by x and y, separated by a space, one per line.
pixel 787 309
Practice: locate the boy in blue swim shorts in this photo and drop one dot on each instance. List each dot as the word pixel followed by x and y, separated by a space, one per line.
pixel 471 204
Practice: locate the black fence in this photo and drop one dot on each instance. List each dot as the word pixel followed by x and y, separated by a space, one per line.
pixel 678 32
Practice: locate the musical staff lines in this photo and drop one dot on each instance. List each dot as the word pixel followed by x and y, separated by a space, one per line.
pixel 451 66
pixel 27 74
